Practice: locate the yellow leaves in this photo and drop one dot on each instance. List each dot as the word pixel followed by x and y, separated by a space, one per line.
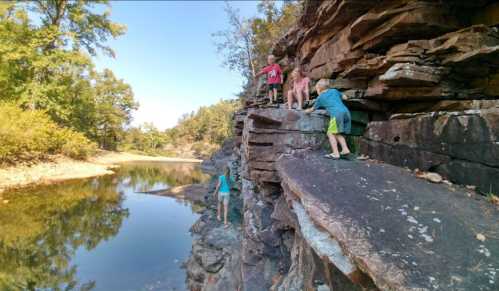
pixel 32 134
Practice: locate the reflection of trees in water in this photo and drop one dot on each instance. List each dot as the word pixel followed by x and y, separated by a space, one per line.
pixel 40 230
pixel 143 176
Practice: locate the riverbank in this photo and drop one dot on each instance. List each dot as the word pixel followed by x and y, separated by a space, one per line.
pixel 60 168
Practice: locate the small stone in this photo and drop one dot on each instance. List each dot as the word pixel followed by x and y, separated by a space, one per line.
pixel 447 182
pixel 362 158
pixel 411 219
pixel 432 177
pixel 471 187
pixel 480 237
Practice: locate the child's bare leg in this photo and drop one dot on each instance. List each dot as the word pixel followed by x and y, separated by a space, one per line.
pixel 344 147
pixel 275 95
pixel 219 210
pixel 290 100
pixel 300 99
pixel 226 211
pixel 270 96
pixel 334 144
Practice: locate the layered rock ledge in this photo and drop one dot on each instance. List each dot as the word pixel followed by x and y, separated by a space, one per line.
pixel 404 233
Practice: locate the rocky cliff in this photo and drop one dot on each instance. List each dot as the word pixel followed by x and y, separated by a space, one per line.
pixel 425 72
pixel 422 80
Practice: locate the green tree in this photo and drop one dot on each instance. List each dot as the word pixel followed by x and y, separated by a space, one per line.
pixel 114 105
pixel 235 43
pixel 46 66
pixel 211 124
pixel 245 45
pixel 273 24
pixel 79 22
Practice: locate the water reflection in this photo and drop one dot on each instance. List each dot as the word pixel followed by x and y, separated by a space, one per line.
pixel 46 233
pixel 152 176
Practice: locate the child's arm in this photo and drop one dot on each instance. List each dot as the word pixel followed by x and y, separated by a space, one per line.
pixel 316 105
pixel 217 188
pixel 307 92
pixel 265 70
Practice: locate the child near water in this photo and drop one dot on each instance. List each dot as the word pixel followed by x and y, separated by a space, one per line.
pixel 274 77
pixel 299 91
pixel 340 120
pixel 222 191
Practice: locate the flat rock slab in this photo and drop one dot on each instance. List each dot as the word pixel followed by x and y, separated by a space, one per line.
pixel 405 233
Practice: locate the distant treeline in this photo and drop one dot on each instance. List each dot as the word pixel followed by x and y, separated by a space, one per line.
pixel 197 133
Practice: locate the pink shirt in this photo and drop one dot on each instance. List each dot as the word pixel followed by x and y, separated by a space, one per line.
pixel 301 85
pixel 274 74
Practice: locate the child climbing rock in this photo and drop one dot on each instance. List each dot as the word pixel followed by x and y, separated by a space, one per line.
pixel 299 91
pixel 274 77
pixel 222 191
pixel 340 120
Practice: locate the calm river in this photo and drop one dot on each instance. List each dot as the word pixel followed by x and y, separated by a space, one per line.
pixel 99 234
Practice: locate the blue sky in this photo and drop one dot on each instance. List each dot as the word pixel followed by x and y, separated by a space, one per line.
pixel 168 56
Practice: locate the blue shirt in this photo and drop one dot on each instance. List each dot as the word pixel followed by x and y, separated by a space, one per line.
pixel 331 101
pixel 224 185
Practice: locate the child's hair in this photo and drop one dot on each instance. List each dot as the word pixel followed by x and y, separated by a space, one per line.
pixel 271 57
pixel 299 69
pixel 227 173
pixel 322 85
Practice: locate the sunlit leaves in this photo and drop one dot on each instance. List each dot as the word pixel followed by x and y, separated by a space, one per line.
pixel 46 65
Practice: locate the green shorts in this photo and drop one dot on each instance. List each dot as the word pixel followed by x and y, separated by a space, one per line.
pixel 274 86
pixel 340 123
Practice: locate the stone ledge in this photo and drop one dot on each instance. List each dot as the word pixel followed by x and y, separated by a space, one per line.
pixel 405 233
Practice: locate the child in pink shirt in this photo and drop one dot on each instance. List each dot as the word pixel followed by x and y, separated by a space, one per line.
pixel 274 77
pixel 299 91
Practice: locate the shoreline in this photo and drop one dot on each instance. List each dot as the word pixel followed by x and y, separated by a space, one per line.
pixel 60 168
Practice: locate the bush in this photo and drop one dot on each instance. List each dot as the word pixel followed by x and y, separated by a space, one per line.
pixel 28 135
pixel 77 146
